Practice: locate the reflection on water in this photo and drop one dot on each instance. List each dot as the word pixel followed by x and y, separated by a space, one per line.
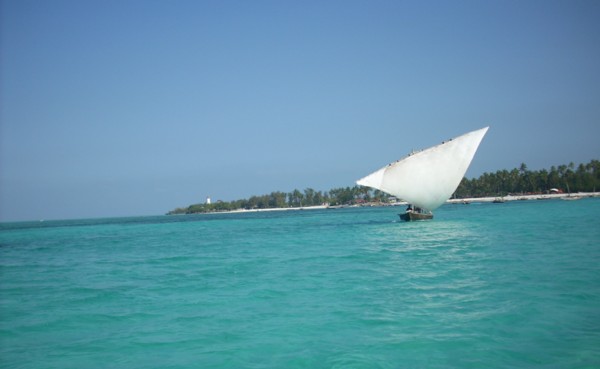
pixel 441 236
pixel 432 270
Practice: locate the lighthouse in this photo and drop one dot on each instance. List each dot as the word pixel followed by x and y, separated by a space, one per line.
pixel 208 200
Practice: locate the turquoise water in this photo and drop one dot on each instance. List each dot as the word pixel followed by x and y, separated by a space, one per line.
pixel 514 285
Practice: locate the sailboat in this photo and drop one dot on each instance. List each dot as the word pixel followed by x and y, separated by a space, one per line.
pixel 569 197
pixel 426 179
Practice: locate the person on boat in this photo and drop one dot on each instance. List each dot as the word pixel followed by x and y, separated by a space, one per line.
pixel 409 208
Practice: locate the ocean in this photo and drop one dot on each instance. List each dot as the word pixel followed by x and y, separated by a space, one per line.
pixel 513 285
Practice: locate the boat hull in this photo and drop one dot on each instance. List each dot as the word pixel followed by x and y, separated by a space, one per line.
pixel 412 216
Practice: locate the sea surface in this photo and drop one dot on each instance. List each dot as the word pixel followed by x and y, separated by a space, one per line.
pixel 513 285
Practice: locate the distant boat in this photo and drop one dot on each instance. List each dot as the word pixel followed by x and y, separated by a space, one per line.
pixel 426 179
pixel 569 196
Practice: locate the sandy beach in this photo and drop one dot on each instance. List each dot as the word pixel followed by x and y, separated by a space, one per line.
pixel 573 196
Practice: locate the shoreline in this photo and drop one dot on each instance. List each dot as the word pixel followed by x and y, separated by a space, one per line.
pixel 526 197
pixel 469 200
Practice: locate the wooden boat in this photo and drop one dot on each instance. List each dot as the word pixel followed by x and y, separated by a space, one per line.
pixel 426 179
pixel 411 215
pixel 569 196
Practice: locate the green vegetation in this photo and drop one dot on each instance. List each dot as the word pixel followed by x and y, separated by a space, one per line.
pixel 294 199
pixel 583 178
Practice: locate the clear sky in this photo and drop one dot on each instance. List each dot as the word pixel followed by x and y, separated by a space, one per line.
pixel 118 108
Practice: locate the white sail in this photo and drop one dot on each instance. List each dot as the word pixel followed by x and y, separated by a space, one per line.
pixel 428 178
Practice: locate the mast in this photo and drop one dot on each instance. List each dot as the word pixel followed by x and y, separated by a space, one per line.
pixel 428 178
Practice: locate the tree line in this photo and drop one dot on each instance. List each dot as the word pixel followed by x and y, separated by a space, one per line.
pixel 567 178
pixel 581 178
pixel 294 199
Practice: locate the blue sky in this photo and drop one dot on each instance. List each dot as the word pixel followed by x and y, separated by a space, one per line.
pixel 118 108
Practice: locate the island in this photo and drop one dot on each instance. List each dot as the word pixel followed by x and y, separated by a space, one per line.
pixel 563 181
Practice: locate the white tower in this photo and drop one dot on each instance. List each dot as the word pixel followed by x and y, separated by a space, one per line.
pixel 207 200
